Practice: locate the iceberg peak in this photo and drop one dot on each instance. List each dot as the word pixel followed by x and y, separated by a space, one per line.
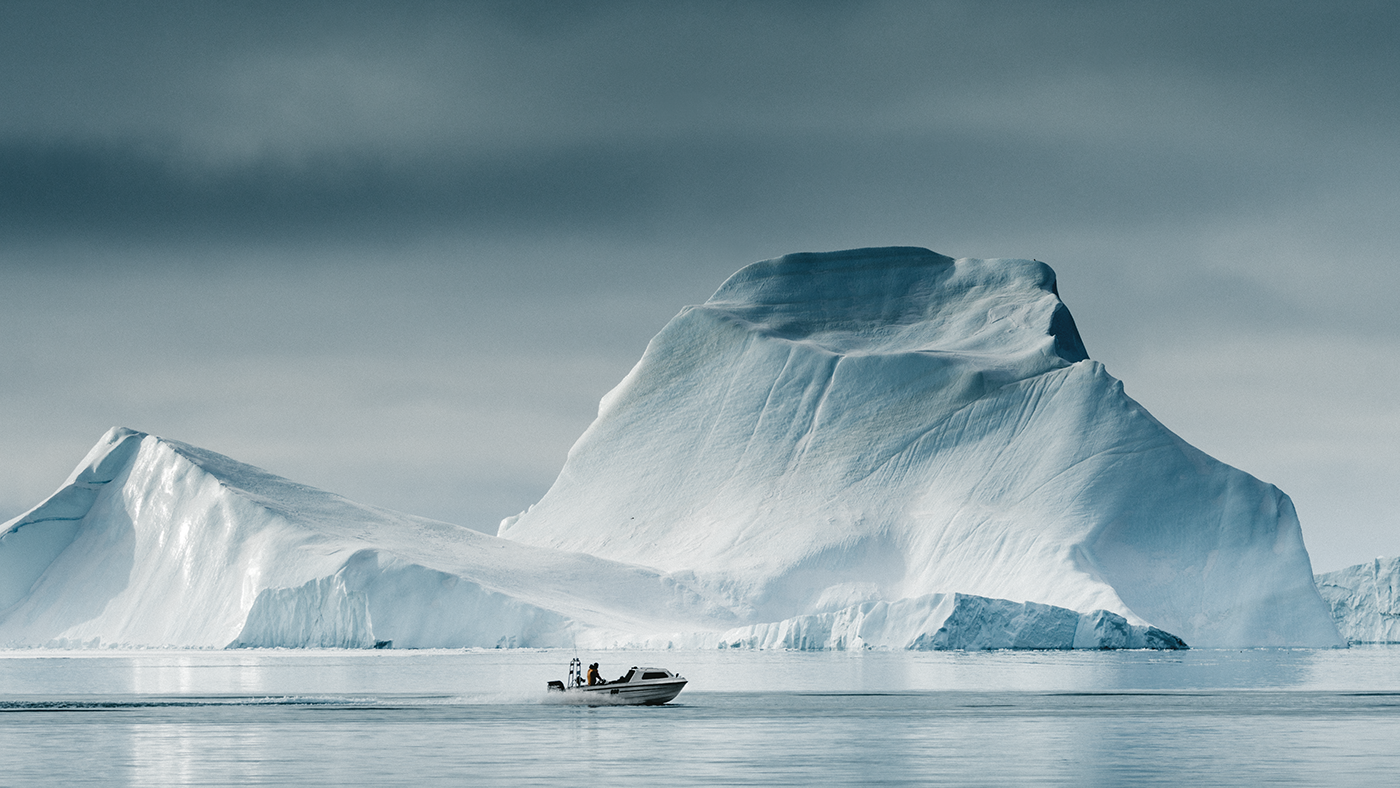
pixel 902 299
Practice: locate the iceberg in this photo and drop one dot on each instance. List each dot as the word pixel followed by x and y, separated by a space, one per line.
pixel 1365 600
pixel 881 448
pixel 152 542
pixel 888 425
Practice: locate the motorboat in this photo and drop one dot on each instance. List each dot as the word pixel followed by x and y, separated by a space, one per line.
pixel 637 687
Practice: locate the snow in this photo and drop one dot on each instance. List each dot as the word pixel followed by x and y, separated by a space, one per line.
pixel 865 449
pixel 1365 600
pixel 891 424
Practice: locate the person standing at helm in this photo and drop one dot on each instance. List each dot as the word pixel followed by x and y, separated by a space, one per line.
pixel 593 677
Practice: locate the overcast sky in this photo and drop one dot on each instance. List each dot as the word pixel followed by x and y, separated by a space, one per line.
pixel 399 251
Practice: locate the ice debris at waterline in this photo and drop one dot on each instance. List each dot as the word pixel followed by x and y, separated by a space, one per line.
pixel 867 449
pixel 876 425
pixel 952 621
pixel 156 543
pixel 1365 600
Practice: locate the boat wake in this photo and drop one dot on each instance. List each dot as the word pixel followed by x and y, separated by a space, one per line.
pixel 122 703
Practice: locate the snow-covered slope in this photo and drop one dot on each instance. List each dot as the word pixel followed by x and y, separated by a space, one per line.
pixel 1365 600
pixel 882 425
pixel 153 542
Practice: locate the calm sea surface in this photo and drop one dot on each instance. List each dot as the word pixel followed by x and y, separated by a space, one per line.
pixel 151 718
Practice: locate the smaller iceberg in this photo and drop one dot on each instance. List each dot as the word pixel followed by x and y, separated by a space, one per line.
pixel 155 543
pixel 1365 600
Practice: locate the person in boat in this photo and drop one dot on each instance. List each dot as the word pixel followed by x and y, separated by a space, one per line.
pixel 593 676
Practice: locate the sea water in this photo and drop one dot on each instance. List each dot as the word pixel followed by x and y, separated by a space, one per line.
pixel 151 718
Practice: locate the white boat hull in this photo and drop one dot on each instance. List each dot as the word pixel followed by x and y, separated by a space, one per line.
pixel 639 693
pixel 637 687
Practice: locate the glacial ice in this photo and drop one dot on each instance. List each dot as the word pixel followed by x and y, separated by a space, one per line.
pixel 865 449
pixel 1365 600
pixel 891 423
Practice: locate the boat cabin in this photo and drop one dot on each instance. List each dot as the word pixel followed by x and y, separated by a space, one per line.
pixel 644 674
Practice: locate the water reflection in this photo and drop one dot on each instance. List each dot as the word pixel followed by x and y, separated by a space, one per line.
pixel 759 718
pixel 967 737
pixel 166 754
pixel 1020 671
pixel 520 675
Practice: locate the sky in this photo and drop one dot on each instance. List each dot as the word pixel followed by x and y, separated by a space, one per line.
pixel 399 251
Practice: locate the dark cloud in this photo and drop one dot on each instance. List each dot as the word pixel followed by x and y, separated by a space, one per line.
pixel 125 191
pixel 796 185
pixel 438 107
pixel 247 119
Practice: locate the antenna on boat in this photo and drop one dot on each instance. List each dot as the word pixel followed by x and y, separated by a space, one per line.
pixel 575 664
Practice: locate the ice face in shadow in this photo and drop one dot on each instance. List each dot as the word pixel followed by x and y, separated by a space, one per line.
pixel 320 613
pixel 1365 600
pixel 896 424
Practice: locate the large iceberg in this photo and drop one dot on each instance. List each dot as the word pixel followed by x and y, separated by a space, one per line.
pixel 882 425
pixel 1365 600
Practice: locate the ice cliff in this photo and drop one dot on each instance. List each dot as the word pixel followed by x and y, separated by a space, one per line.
pixel 1365 600
pixel 882 425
